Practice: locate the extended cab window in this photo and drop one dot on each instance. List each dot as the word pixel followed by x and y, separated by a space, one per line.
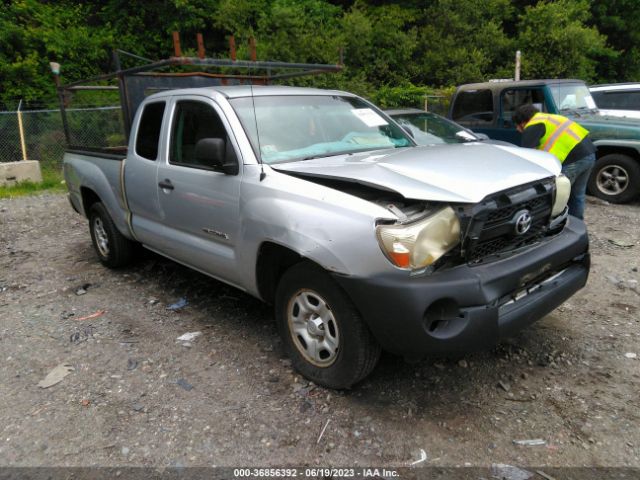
pixel 515 98
pixel 149 130
pixel 473 108
pixel 193 121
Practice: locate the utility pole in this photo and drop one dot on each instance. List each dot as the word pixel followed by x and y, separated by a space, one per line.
pixel 517 74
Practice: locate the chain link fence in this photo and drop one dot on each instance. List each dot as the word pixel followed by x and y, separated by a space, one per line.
pixel 41 136
pixel 10 149
pixel 437 104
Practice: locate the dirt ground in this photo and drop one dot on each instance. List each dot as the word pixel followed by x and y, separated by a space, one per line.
pixel 136 396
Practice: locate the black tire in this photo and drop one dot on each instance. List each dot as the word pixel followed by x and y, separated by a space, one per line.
pixel 356 353
pixel 615 178
pixel 113 249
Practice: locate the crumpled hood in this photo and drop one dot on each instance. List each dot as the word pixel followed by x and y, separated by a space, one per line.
pixel 463 173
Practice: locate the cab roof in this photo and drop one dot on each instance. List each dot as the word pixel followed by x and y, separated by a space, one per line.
pixel 239 91
pixel 501 85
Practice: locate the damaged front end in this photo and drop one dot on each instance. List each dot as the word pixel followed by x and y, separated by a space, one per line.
pixel 429 236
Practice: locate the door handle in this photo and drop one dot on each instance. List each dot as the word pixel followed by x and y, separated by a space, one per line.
pixel 166 184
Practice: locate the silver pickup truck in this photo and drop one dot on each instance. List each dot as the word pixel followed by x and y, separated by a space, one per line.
pixel 317 202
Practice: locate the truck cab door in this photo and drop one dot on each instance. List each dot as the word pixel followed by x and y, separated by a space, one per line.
pixel 141 168
pixel 199 203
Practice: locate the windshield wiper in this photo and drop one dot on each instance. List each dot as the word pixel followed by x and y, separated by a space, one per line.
pixel 320 155
pixel 571 111
pixel 343 152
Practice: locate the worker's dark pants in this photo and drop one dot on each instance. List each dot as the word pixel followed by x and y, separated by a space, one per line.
pixel 578 174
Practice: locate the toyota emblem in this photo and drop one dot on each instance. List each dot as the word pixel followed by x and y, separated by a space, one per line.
pixel 522 222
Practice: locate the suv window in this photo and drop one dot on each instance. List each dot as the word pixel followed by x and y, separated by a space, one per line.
pixel 515 98
pixel 473 107
pixel 618 100
pixel 193 121
pixel 149 130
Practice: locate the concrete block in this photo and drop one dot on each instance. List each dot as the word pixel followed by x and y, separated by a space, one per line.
pixel 15 172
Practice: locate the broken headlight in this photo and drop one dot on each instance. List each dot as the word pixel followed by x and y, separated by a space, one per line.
pixel 420 244
pixel 563 189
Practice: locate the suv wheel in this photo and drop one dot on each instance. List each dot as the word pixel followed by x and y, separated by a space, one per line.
pixel 615 178
pixel 323 333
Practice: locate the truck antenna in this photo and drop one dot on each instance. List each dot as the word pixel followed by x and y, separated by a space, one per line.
pixel 255 120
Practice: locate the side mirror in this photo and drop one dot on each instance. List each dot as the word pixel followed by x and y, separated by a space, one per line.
pixel 482 136
pixel 211 152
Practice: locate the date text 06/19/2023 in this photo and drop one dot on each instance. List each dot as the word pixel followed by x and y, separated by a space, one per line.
pixel 314 472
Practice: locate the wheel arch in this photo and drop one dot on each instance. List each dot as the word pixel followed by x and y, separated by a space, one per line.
pixel 272 261
pixel 622 147
pixel 89 197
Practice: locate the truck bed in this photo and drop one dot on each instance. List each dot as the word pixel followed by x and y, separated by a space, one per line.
pixel 97 171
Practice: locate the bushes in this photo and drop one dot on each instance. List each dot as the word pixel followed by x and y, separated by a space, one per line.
pixel 413 96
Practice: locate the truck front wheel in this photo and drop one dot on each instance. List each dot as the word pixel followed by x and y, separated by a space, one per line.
pixel 615 178
pixel 323 333
pixel 113 249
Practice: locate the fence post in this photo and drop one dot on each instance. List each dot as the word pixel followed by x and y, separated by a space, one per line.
pixel 23 144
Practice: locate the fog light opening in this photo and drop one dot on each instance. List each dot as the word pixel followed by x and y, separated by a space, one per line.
pixel 440 314
pixel 433 326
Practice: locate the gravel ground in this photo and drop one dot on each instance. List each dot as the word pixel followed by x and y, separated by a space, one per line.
pixel 136 396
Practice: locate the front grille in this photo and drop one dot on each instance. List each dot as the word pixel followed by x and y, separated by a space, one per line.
pixel 537 204
pixel 491 227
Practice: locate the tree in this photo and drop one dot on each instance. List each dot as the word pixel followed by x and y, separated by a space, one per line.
pixel 396 44
pixel 464 41
pixel 33 33
pixel 557 43
pixel 618 20
pixel 299 31
pixel 380 42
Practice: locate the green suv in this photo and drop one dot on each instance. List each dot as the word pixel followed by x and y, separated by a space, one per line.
pixel 489 107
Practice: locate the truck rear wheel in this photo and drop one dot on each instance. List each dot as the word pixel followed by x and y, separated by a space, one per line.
pixel 113 249
pixel 323 333
pixel 615 178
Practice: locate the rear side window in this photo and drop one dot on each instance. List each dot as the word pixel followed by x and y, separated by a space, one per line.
pixel 619 100
pixel 149 130
pixel 513 99
pixel 473 108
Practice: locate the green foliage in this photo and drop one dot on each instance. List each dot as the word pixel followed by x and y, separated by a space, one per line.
pixel 412 96
pixel 52 181
pixel 556 43
pixel 380 41
pixel 464 41
pixel 401 96
pixel 33 33
pixel 619 21
pixel 240 17
pixel 299 31
pixel 392 50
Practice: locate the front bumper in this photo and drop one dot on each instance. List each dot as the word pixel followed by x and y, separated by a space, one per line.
pixel 471 307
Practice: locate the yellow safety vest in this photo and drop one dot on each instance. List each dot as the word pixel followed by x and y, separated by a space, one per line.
pixel 561 134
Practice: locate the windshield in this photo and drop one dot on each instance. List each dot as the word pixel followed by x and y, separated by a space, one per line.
pixel 301 127
pixel 428 129
pixel 571 97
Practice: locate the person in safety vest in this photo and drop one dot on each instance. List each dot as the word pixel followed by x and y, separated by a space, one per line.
pixel 565 139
